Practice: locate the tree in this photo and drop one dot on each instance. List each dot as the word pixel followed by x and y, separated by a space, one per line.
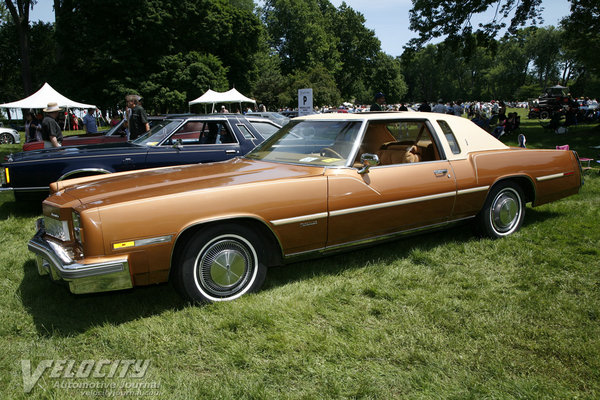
pixel 386 76
pixel 4 14
pixel 297 33
pixel 325 91
pixel 109 52
pixel 183 76
pixel 358 48
pixel 11 88
pixel 582 32
pixel 270 86
pixel 19 11
pixel 544 49
pixel 508 70
pixel 435 18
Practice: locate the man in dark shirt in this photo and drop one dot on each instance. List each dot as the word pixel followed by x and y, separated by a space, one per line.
pixel 425 107
pixel 51 132
pixel 138 119
pixel 379 101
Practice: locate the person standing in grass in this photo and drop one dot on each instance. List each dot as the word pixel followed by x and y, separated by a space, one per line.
pixel 138 119
pixel 89 121
pixel 51 132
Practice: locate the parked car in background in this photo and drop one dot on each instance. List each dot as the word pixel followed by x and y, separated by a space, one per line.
pixel 172 140
pixel 290 113
pixel 322 184
pixel 554 99
pixel 273 116
pixel 9 136
pixel 116 134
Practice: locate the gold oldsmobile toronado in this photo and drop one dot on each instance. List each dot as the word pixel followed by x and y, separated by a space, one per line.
pixel 321 184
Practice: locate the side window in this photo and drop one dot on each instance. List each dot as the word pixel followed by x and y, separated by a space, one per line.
pixel 188 134
pixel 266 129
pixel 202 132
pixel 449 137
pixel 400 142
pixel 245 131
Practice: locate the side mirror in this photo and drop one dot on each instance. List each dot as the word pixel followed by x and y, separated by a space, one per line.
pixel 368 160
pixel 178 144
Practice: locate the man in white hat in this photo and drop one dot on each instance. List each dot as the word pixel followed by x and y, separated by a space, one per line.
pixel 51 132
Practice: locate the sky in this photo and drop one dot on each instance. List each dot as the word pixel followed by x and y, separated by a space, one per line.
pixel 388 18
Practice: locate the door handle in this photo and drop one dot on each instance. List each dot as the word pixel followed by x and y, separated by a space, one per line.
pixel 440 172
pixel 231 151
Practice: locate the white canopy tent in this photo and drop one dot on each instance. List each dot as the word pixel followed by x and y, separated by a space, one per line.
pixel 230 96
pixel 42 97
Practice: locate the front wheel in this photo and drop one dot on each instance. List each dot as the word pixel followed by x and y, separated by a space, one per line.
pixel 220 263
pixel 503 211
pixel 6 138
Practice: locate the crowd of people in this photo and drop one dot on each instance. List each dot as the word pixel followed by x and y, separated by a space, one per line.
pixel 48 127
pixel 490 115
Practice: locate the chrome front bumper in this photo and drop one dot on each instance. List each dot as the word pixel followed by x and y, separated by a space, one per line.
pixel 52 259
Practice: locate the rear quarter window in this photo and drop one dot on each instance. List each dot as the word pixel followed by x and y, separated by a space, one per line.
pixel 450 138
pixel 266 129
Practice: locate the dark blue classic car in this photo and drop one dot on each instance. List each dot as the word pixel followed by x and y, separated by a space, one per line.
pixel 172 140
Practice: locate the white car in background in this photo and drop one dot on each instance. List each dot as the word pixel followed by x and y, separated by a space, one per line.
pixel 9 136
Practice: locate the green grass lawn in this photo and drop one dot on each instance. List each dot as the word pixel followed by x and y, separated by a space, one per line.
pixel 441 315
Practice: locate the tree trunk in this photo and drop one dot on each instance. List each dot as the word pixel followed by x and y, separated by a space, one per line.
pixel 20 17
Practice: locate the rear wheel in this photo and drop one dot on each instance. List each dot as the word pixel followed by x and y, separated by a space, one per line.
pixel 503 211
pixel 544 115
pixel 6 138
pixel 220 263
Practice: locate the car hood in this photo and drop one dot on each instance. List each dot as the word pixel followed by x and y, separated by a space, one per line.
pixel 75 151
pixel 144 184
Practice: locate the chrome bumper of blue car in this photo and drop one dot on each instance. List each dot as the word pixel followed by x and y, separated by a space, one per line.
pixel 52 259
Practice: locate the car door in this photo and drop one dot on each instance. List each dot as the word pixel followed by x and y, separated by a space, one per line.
pixel 396 195
pixel 196 141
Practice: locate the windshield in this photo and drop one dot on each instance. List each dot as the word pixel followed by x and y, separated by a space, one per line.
pixel 323 143
pixel 115 130
pixel 159 131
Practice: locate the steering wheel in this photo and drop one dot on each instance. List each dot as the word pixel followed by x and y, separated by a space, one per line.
pixel 325 151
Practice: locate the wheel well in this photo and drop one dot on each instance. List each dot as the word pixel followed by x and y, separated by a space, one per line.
pixel 83 173
pixel 270 244
pixel 524 183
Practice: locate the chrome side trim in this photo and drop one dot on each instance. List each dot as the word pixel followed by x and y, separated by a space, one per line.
pixel 364 242
pixel 25 189
pixel 548 177
pixel 302 218
pixel 154 240
pixel 127 244
pixel 391 204
pixel 473 190
pixel 77 171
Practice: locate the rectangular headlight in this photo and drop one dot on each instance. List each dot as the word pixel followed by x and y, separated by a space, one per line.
pixel 76 226
pixel 57 229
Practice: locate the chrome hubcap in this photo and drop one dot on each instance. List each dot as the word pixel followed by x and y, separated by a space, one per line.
pixel 505 211
pixel 225 267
